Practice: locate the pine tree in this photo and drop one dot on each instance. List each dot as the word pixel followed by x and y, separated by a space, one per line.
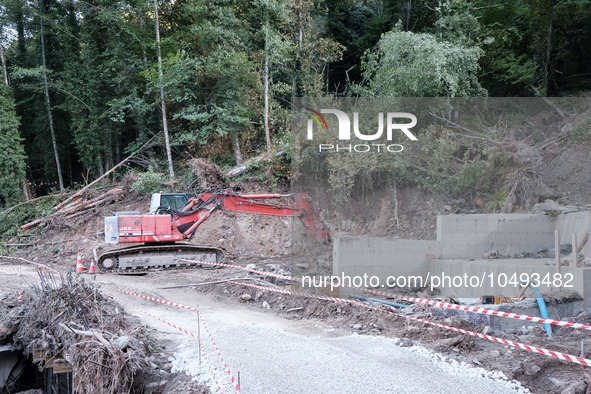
pixel 12 155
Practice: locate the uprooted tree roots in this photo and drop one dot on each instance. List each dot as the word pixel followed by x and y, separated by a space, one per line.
pixel 66 318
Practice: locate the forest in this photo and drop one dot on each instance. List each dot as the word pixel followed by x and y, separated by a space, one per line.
pixel 85 83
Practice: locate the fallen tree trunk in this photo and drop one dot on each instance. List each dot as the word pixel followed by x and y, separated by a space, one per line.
pixel 77 194
pixel 61 207
pixel 79 207
pixel 243 168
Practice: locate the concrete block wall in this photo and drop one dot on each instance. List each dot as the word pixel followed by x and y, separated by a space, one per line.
pixel 461 243
pixel 382 257
pixel 470 236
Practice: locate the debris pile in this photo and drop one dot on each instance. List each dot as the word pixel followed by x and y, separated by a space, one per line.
pixel 208 175
pixel 69 321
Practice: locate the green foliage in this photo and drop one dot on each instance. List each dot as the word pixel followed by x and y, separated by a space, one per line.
pixel 148 182
pixel 495 201
pixel 12 155
pixel 105 88
pixel 409 64
pixel 12 218
pixel 582 130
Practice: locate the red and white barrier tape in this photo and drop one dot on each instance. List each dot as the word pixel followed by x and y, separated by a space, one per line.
pixel 234 382
pixel 483 311
pixel 29 262
pixel 159 300
pixel 236 386
pixel 194 336
pixel 286 277
pixel 546 352
pixel 439 304
pixel 10 269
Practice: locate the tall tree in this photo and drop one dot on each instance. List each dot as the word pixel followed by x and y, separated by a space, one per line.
pixel 162 101
pixel 49 112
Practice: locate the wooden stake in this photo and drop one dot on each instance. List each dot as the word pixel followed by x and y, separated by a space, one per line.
pixel 574 259
pixel 557 249
pixel 583 242
pixel 199 336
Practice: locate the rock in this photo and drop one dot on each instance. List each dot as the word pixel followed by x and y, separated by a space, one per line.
pixel 447 208
pixel 495 353
pixel 491 254
pixel 122 342
pixel 251 267
pixel 451 342
pixel 266 305
pixel 245 297
pixel 405 342
pixel 556 382
pixel 530 369
pixel 258 295
pixel 566 249
pixel 411 329
pixel 357 326
pixel 522 331
pixel 549 207
pixel 579 387
pixel 487 330
pixel 452 321
pixel 540 250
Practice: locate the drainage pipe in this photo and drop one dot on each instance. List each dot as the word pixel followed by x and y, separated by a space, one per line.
pixel 542 305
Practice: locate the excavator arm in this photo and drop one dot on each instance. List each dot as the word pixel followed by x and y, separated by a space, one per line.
pixel 178 225
pixel 294 205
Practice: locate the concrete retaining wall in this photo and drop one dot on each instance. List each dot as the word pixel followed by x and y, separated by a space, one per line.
pixel 382 257
pixel 578 223
pixel 461 243
pixel 498 273
pixel 470 236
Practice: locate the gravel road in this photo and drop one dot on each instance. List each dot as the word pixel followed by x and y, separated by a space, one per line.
pixel 277 361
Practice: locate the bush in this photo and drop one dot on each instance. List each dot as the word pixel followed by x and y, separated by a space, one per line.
pixel 148 182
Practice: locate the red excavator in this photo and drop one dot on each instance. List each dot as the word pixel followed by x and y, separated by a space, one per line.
pixel 160 232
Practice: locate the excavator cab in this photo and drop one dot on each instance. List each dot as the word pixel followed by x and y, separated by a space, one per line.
pixel 175 201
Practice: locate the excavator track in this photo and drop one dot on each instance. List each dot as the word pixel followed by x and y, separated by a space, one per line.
pixel 147 258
